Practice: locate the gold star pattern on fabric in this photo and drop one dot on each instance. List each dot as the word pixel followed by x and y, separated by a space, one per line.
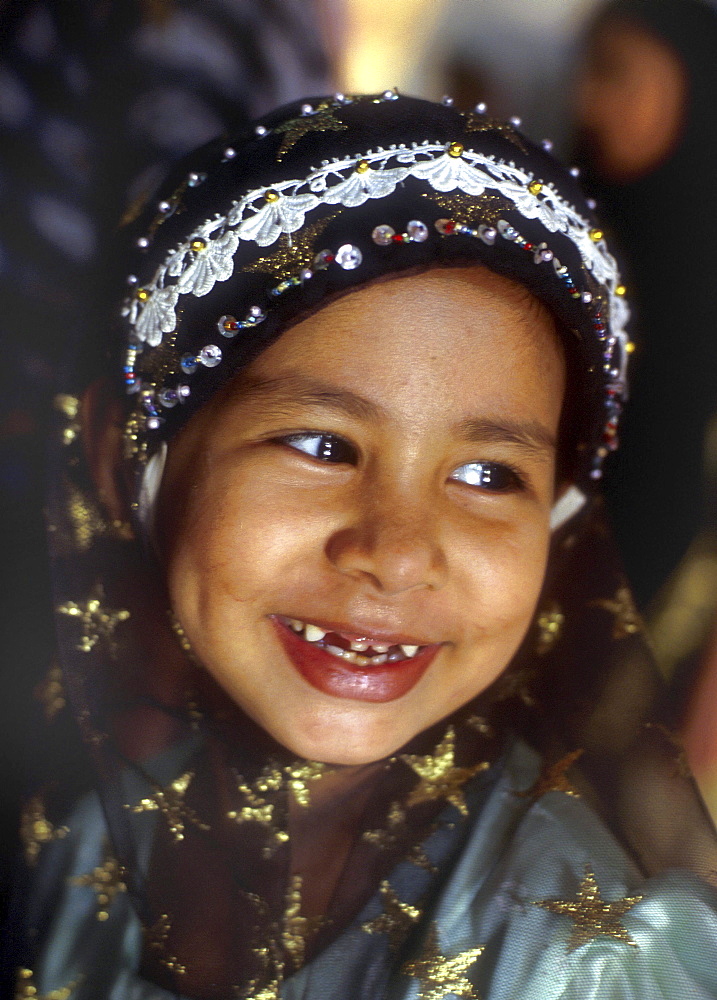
pixel 480 123
pixel 298 779
pixel 296 251
pixel 170 802
pixel 467 210
pixel 441 977
pixel 387 837
pixel 157 936
pixel 622 606
pixel 268 987
pixel 322 119
pixel 36 829
pixel 258 810
pixel 106 881
pixel 550 623
pixel 98 621
pixel 396 920
pixel 26 989
pixel 553 778
pixel 161 363
pixel 591 915
pixel 440 777
pixel 50 692
pixel 296 929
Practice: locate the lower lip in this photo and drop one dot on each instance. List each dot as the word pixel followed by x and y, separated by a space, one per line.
pixel 341 679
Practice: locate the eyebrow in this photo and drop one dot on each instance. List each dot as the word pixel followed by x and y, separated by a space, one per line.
pixel 295 388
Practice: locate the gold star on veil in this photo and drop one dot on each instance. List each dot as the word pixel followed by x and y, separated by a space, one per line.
pixel 442 977
pixel 591 915
pixel 296 251
pixel 297 929
pixel 440 777
pixel 105 880
pixel 553 778
pixel 97 620
pixel 481 123
pixel 321 120
pixel 27 990
pixel 622 606
pixel 396 920
pixel 36 829
pixel 170 802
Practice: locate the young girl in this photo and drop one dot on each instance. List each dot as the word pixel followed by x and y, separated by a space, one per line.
pixel 368 703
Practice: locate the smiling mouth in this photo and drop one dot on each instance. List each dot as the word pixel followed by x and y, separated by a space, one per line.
pixel 362 652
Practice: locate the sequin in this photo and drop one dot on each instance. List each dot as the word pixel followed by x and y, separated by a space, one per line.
pixel 383 235
pixel 210 356
pixel 348 257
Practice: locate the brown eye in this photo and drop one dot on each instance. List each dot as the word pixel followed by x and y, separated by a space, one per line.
pixel 325 447
pixel 492 476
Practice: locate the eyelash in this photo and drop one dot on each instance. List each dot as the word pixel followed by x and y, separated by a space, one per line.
pixel 494 477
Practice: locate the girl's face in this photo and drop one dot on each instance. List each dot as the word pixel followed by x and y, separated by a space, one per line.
pixel 356 531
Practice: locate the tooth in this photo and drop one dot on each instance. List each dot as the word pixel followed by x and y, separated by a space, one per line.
pixel 409 651
pixel 376 660
pixel 359 645
pixel 349 656
pixel 393 657
pixel 362 661
pixel 296 625
pixel 380 649
pixel 313 633
pixel 334 650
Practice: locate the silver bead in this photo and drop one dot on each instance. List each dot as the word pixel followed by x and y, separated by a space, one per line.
pixel 339 97
pixel 383 235
pixel 143 242
pixel 574 171
pixel 306 274
pixel 592 204
pixel 132 279
pixel 307 109
pixel 194 179
pixel 210 356
pixel 587 298
pixel 389 95
pixel 257 314
pixel 447 101
pixel 183 392
pixel 417 230
pixel 164 207
pixel 260 130
pixel 547 145
pixel 348 257
pixel 230 153
pixel 481 107
pixel 516 122
pixel 153 423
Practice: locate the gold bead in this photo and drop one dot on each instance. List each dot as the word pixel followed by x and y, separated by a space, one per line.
pixel 455 149
pixel 271 195
pixel 620 290
pixel 142 294
pixel 362 166
pixel 629 347
pixel 596 235
pixel 198 245
pixel 535 187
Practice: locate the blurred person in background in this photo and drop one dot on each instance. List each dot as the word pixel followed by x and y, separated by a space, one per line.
pixel 648 135
pixel 97 99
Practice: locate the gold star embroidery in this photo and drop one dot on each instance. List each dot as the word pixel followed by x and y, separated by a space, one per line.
pixel 550 623
pixel 396 920
pixel 467 210
pixel 36 829
pixel 322 120
pixel 170 802
pixel 98 622
pixel 296 251
pixel 298 780
pixel 440 777
pixel 622 606
pixel 26 988
pixel 384 839
pixel 105 880
pixel 296 929
pixel 442 977
pixel 480 123
pixel 269 986
pixel 157 936
pixel 591 915
pixel 50 692
pixel 553 778
pixel 258 810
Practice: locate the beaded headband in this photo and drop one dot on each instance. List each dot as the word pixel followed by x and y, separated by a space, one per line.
pixel 327 195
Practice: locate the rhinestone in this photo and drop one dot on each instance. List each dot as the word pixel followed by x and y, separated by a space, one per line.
pixel 270 195
pixel 228 326
pixel 487 234
pixel 447 101
pixel 417 230
pixel 164 207
pixel 143 242
pixel 535 187
pixel 574 171
pixel 547 145
pixel 596 235
pixel 142 294
pixel 168 398
pixel 198 245
pixel 229 153
pixel 210 356
pixel 620 290
pixel 362 166
pixel 188 363
pixel 132 279
pixel 260 130
pixel 348 257
pixel 195 179
pixel 455 149
pixel 307 109
pixel 629 347
pixel 481 107
pixel 383 235
pixel 306 274
pixel 153 423
pixel 516 122
pixel 257 314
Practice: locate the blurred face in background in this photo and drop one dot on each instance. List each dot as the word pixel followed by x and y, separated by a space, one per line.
pixel 631 100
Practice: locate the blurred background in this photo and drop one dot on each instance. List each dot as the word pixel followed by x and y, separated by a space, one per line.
pixel 98 97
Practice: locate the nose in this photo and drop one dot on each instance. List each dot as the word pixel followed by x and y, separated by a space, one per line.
pixel 391 545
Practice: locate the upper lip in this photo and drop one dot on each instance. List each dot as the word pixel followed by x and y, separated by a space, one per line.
pixel 356 631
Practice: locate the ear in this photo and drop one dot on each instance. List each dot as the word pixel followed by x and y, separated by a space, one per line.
pixel 102 417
